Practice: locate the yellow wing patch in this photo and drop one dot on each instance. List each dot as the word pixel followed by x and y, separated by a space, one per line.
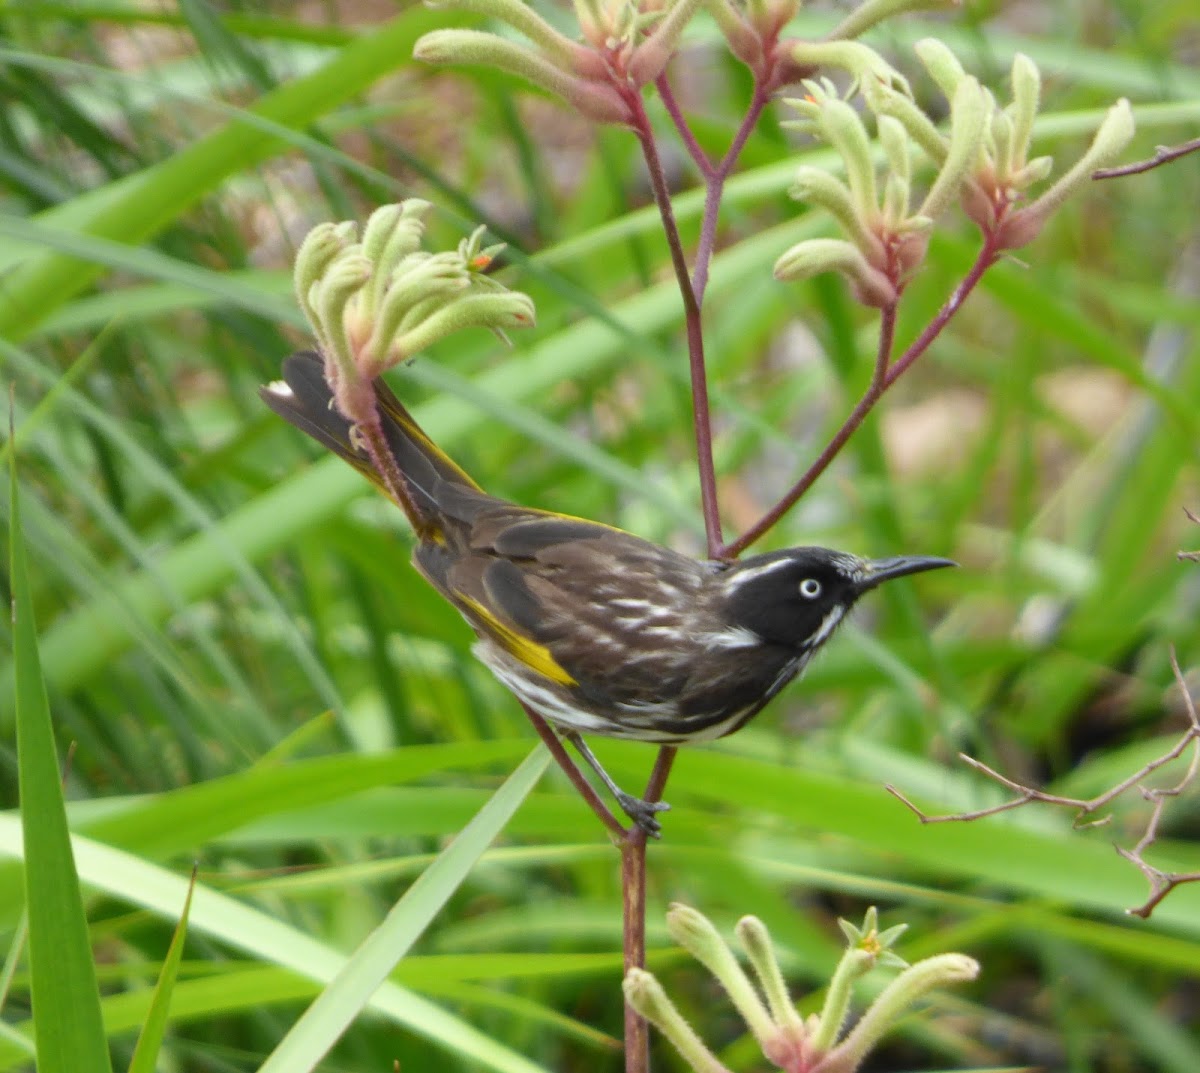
pixel 536 657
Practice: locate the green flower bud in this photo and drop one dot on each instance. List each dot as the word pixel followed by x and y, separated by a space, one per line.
pixel 695 933
pixel 894 141
pixel 896 192
pixel 646 995
pixel 1034 172
pixel 392 233
pixel 872 12
pixel 650 58
pixel 1115 131
pixel 885 101
pixel 1000 145
pixel 318 250
pixel 895 1001
pixel 813 256
pixel 523 18
pixel 497 312
pixel 330 298
pixel 1027 91
pixel 845 132
pixel 864 64
pixel 598 101
pixel 968 117
pixel 817 186
pixel 756 941
pixel 942 65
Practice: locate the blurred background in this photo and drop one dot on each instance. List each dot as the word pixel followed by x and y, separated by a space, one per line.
pixel 254 678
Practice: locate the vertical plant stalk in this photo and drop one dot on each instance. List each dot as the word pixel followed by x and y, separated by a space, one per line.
pixel 884 375
pixel 633 907
pixel 369 428
pixel 691 289
pixel 702 419
pixel 693 283
pixel 715 179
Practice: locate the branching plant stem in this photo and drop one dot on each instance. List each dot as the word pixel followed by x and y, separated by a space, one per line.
pixel 883 376
pixel 702 419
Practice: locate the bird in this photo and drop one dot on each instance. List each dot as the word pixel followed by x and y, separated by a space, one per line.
pixel 593 628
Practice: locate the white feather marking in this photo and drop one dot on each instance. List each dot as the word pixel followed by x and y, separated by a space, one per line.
pixel 738 578
pixel 828 625
pixel 733 637
pixel 280 388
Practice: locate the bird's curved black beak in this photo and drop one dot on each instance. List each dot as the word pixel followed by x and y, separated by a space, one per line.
pixel 877 571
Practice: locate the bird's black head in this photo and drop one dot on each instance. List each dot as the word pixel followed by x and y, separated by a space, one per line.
pixel 798 597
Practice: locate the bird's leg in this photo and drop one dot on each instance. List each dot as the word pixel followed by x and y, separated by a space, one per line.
pixel 641 812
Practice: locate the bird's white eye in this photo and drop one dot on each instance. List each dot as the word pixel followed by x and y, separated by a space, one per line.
pixel 810 588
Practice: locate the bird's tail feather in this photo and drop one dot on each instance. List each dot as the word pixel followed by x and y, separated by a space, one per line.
pixel 304 399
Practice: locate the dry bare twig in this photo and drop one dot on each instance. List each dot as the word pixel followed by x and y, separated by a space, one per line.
pixel 1163 154
pixel 1189 556
pixel 1161 882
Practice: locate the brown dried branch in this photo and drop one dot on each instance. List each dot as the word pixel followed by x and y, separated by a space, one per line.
pixel 1189 556
pixel 1163 154
pixel 1161 883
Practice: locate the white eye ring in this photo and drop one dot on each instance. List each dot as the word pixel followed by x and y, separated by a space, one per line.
pixel 810 588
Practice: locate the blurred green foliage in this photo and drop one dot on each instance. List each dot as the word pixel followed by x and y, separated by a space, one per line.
pixel 209 590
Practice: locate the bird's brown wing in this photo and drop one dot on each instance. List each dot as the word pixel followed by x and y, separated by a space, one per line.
pixel 611 610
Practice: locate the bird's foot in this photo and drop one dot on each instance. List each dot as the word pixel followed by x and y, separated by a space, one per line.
pixel 643 813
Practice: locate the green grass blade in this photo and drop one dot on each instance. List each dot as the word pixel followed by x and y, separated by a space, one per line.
pixel 68 1027
pixel 326 1019
pixel 145 1054
pixel 264 936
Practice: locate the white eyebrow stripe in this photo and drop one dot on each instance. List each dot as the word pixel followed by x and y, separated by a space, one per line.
pixel 740 577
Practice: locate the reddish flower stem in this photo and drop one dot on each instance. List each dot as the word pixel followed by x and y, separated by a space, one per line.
pixel 702 420
pixel 369 427
pixel 883 377
pixel 633 905
pixel 691 288
pixel 716 188
pixel 988 255
pixel 699 157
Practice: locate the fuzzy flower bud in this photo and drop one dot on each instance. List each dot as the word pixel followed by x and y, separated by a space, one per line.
pixel 787 1040
pixel 525 20
pixel 646 995
pixel 863 64
pixel 895 1001
pixel 1027 92
pixel 1115 132
pixel 968 118
pixel 597 100
pixel 650 58
pixel 872 12
pixel 372 303
pixel 696 934
pixel 941 63
pixel 816 255
pixel 743 41
pixel 817 186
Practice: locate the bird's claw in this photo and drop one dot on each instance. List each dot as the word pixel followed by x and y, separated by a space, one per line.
pixel 643 813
